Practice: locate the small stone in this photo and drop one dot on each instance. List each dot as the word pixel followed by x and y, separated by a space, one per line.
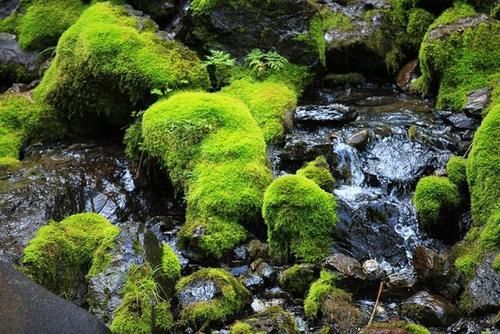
pixel 461 122
pixel 253 282
pixel 258 305
pixel 406 74
pixel 359 139
pixel 372 269
pixel 477 101
pixel 347 265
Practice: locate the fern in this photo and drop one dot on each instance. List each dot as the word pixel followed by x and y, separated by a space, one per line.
pixel 262 63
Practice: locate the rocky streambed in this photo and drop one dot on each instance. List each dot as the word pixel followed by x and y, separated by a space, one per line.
pixel 378 142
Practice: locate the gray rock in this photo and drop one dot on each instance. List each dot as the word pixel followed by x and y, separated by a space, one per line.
pixel 16 65
pixel 253 282
pixel 198 291
pixel 477 102
pixel 7 7
pixel 430 310
pixel 461 121
pixel 484 288
pixel 346 265
pixel 328 114
pixel 359 139
pixel 401 283
pixel 27 308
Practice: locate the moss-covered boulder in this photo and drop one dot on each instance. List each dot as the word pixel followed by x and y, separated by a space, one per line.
pixel 272 320
pixel 319 172
pixel 298 278
pixel 144 309
pixel 395 327
pixel 215 152
pixel 223 297
pixel 170 264
pixel 437 202
pixel 300 217
pixel 456 168
pixel 459 54
pixel 271 104
pixel 107 64
pixel 63 254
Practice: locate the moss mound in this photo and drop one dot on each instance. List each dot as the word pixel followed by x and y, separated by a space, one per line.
pixel 398 325
pixel 456 168
pixel 170 264
pixel 272 320
pixel 436 200
pixel 229 301
pixel 268 101
pixel 144 309
pixel 108 63
pixel 483 168
pixel 319 172
pixel 214 151
pixel 297 279
pixel 300 217
pixel 459 57
pixel 63 253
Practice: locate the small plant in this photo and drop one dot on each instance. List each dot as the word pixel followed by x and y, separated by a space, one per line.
pixel 261 62
pixel 219 64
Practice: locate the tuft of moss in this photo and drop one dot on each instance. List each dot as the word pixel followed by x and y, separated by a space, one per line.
pixel 269 103
pixel 318 292
pixel 272 320
pixel 213 150
pixel 143 309
pixel 459 61
pixel 107 64
pixel 456 168
pixel 483 167
pixel 418 21
pixel 319 172
pixel 436 199
pixel 231 299
pixel 241 328
pixel 170 264
pixel 297 279
pixel 60 255
pixel 300 217
pixel 409 327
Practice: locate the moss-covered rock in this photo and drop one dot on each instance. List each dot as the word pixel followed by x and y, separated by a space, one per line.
pixel 63 254
pixel 213 150
pixel 272 320
pixel 437 201
pixel 409 327
pixel 143 309
pixel 225 296
pixel 318 292
pixel 460 53
pixel 170 265
pixel 319 172
pixel 456 168
pixel 300 217
pixel 297 279
pixel 108 63
pixel 270 103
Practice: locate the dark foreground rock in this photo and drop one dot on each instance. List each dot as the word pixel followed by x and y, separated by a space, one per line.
pixel 430 310
pixel 15 64
pixel 484 288
pixel 27 308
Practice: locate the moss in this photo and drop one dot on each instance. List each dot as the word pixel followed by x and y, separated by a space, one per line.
pixel 418 21
pixel 477 242
pixel 300 217
pixel 60 255
pixel 269 103
pixel 496 263
pixel 241 328
pixel 457 173
pixel 459 61
pixel 9 163
pixel 435 199
pixel 297 279
pixel 170 264
pixel 231 299
pixel 214 151
pixel 143 309
pixel 106 67
pixel 9 24
pixel 483 167
pixel 319 172
pixel 416 329
pixel 318 292
pixel 411 328
pixel 204 7
pixel 272 320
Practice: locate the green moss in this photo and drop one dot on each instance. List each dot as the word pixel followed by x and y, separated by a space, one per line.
pixel 496 263
pixel 416 329
pixel 457 173
pixel 297 279
pixel 143 309
pixel 318 292
pixel 204 7
pixel 170 264
pixel 418 22
pixel 9 163
pixel 9 24
pixel 233 296
pixel 435 199
pixel 105 66
pixel 459 61
pixel 272 320
pixel 214 151
pixel 407 326
pixel 319 172
pixel 60 255
pixel 269 103
pixel 483 167
pixel 241 328
pixel 300 217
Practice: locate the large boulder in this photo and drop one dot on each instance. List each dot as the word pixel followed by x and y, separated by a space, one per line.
pixel 430 310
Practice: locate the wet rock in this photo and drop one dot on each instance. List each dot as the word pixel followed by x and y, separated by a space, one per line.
pixel 7 7
pixel 198 291
pixel 241 252
pixel 430 310
pixel 26 307
pixel 346 265
pixel 332 114
pixel 386 331
pixel 461 121
pixel 477 102
pixel 266 271
pixel 372 269
pixel 15 64
pixel 260 305
pixel 303 146
pixel 253 282
pixel 359 139
pixel 272 320
pixel 135 245
pixel 406 74
pixel 160 10
pixel 401 284
pixel 484 288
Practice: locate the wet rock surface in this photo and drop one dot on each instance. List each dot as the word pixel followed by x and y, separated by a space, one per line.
pixel 199 291
pixel 7 7
pixel 331 114
pixel 16 65
pixel 477 102
pixel 484 288
pixel 430 310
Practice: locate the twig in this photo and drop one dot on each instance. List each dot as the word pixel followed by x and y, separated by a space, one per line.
pixel 380 288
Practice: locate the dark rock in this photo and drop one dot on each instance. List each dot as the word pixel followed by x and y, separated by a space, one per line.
pixel 272 320
pixel 372 270
pixel 15 64
pixel 359 139
pixel 430 310
pixel 160 10
pixel 7 7
pixel 303 146
pixel 465 326
pixel 26 307
pixel 477 102
pixel 385 331
pixel 484 288
pixel 401 284
pixel 253 282
pixel 406 74
pixel 330 114
pixel 461 121
pixel 346 265
pixel 198 291
pixel 268 272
